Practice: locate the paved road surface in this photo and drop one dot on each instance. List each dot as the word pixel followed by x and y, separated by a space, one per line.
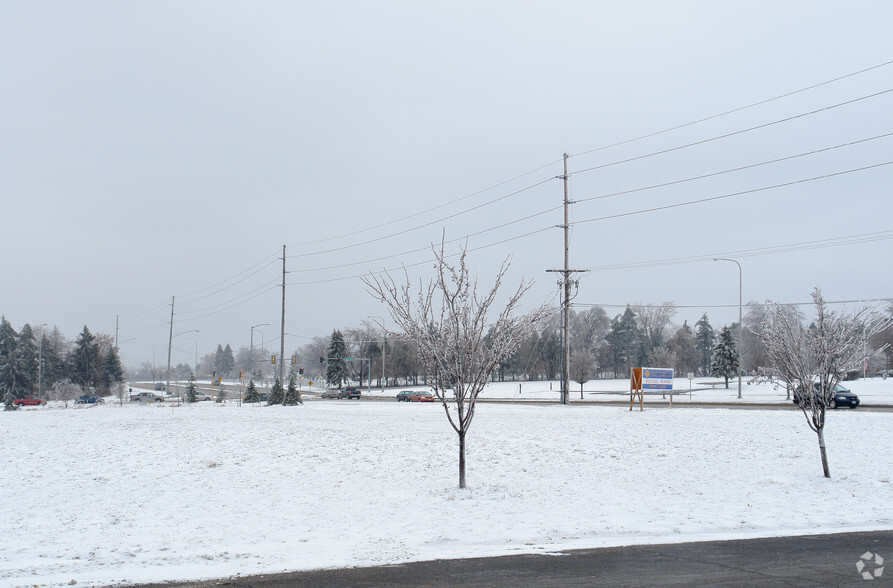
pixel 813 560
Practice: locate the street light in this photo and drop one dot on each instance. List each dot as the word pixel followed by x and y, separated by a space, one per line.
pixel 740 324
pixel 384 343
pixel 196 350
pixel 251 351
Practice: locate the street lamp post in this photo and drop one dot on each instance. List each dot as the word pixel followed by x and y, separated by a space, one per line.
pixel 194 340
pixel 251 349
pixel 740 323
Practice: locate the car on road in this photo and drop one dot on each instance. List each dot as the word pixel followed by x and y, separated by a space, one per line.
pixel 29 401
pixel 159 387
pixel 422 397
pixel 403 395
pixel 146 397
pixel 351 392
pixel 199 396
pixel 89 399
pixel 840 396
pixel 331 394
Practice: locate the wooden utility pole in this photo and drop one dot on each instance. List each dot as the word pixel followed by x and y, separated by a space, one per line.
pixel 282 330
pixel 170 342
pixel 565 352
pixel 566 295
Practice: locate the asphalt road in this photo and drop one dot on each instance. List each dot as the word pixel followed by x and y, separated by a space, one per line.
pixel 811 560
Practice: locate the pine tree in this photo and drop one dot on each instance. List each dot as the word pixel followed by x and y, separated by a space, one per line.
pixel 221 396
pixel 625 340
pixel 277 395
pixel 251 394
pixel 292 394
pixel 227 362
pixel 8 402
pixel 724 362
pixel 13 376
pixel 336 368
pixel 112 372
pixel 28 356
pixel 190 389
pixel 84 360
pixel 705 340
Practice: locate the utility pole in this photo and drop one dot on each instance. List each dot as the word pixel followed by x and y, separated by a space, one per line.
pixel 282 331
pixel 170 342
pixel 566 291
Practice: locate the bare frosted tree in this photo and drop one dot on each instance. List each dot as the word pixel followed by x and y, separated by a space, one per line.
pixel 814 359
pixel 449 320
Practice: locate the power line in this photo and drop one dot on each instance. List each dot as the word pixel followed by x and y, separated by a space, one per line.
pixel 438 207
pixel 773 250
pixel 732 134
pixel 733 111
pixel 732 170
pixel 428 224
pixel 732 194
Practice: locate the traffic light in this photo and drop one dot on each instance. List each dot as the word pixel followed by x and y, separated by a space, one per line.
pixel 241 374
pixel 294 359
pixel 301 371
pixel 274 359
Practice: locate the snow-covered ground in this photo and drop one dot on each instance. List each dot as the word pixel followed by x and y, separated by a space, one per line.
pixel 118 494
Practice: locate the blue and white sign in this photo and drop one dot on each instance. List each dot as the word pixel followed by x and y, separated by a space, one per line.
pixel 657 379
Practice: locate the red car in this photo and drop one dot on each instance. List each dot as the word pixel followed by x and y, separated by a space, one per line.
pixel 29 401
pixel 422 397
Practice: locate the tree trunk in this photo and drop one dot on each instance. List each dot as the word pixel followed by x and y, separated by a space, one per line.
pixel 821 434
pixel 461 459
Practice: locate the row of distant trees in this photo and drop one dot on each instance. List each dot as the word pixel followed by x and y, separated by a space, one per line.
pixel 46 363
pixel 600 347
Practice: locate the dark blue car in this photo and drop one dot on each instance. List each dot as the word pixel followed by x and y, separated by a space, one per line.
pixel 89 399
pixel 839 397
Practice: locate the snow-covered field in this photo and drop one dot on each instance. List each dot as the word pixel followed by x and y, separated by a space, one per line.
pixel 119 494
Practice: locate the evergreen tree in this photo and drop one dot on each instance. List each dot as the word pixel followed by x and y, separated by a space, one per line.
pixel 277 395
pixel 28 356
pixel 336 368
pixel 218 355
pixel 8 402
pixel 251 394
pixel 705 340
pixel 83 364
pixel 292 394
pixel 227 362
pixel 221 396
pixel 625 341
pixel 53 365
pixel 190 389
pixel 13 376
pixel 112 372
pixel 725 356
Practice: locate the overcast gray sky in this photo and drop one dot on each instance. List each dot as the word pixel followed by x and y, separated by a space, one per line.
pixel 160 149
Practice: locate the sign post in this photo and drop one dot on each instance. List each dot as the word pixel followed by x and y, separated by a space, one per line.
pixel 658 379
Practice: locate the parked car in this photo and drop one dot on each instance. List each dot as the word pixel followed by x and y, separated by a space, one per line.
pixel 403 395
pixel 29 401
pixel 422 397
pixel 89 399
pixel 351 392
pixel 146 397
pixel 331 394
pixel 839 397
pixel 199 396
